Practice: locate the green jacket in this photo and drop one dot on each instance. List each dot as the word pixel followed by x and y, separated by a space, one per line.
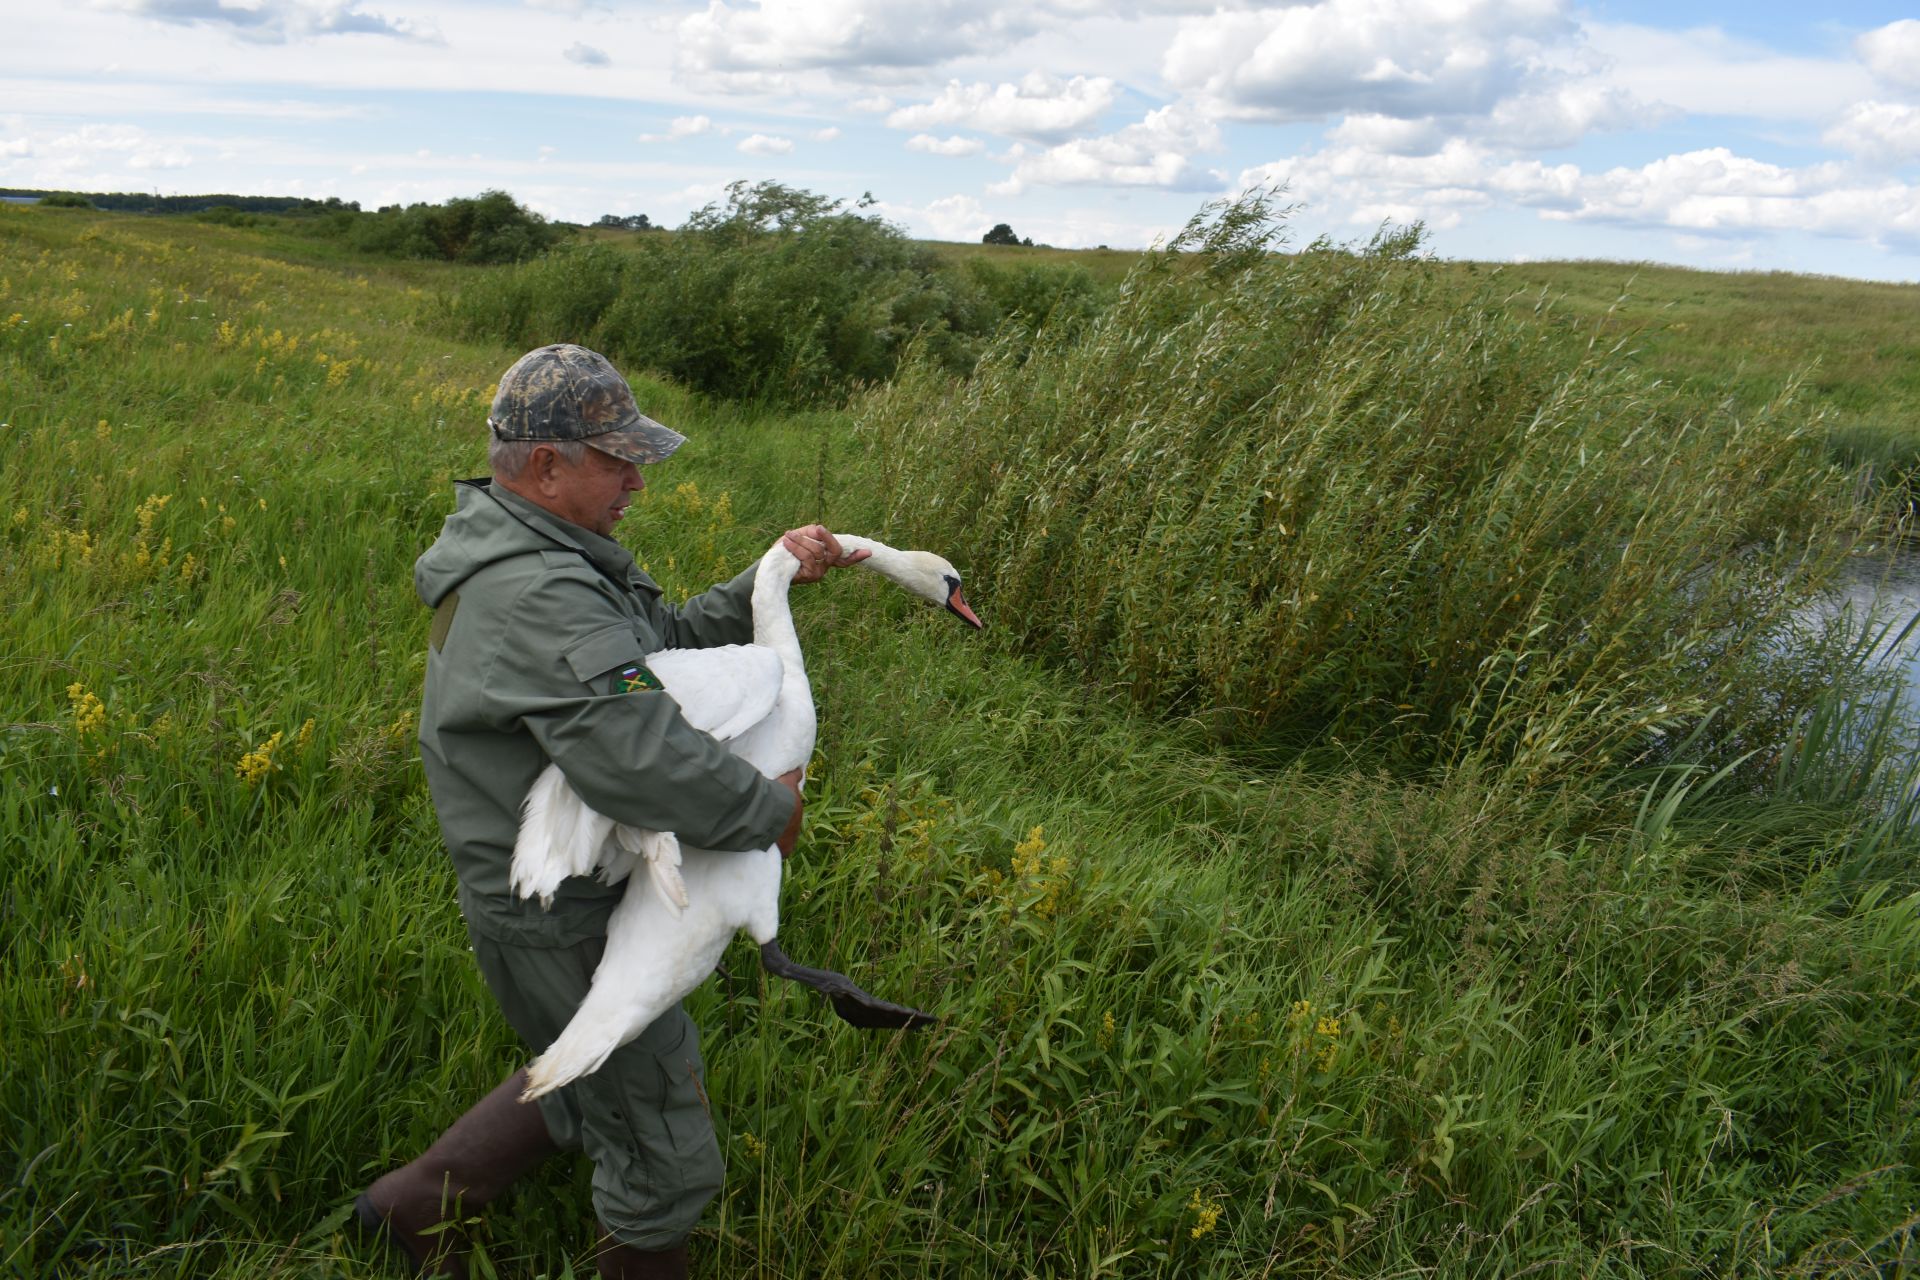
pixel 536 620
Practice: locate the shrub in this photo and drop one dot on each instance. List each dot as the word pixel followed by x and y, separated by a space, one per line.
pixel 776 294
pixel 491 227
pixel 1326 495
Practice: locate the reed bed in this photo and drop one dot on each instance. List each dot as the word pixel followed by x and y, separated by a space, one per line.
pixel 1324 496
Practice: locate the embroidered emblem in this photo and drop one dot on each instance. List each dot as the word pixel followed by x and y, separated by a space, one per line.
pixel 637 680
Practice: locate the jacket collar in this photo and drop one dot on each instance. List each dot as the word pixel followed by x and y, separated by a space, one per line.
pixel 607 555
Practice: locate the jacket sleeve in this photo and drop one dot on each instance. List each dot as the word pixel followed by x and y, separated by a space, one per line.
pixel 718 615
pixel 631 756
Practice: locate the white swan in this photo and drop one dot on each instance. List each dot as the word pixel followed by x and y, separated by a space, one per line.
pixel 662 945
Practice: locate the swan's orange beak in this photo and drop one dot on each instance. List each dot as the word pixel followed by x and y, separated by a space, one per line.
pixel 956 604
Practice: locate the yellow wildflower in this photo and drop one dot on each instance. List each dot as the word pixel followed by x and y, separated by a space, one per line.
pixel 755 1147
pixel 102 431
pixel 1026 854
pixel 396 733
pixel 1327 1030
pixel 258 763
pixel 20 517
pixel 1206 1214
pixel 89 713
pixel 304 738
pixel 1105 1038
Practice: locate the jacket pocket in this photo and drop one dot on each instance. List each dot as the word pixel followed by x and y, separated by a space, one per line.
pixel 608 649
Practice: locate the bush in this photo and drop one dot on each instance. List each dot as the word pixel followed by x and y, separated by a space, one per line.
pixel 1324 495
pixel 491 227
pixel 65 200
pixel 1032 296
pixel 778 295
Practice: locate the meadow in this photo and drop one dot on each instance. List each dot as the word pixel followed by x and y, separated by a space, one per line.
pixel 1538 973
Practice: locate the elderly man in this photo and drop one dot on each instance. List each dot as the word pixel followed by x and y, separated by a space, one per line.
pixel 541 621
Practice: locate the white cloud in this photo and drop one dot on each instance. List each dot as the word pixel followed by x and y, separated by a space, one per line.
pixel 829 134
pixel 1403 58
pixel 1157 152
pixel 762 35
pixel 761 144
pixel 683 127
pixel 1892 52
pixel 1389 135
pixel 1882 132
pixel 956 218
pixel 954 146
pixel 1564 115
pixel 1704 71
pixel 99 157
pixel 1714 191
pixel 586 55
pixel 872 104
pixel 1711 192
pixel 277 21
pixel 1039 107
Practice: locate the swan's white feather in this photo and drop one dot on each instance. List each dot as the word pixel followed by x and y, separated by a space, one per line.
pixel 723 691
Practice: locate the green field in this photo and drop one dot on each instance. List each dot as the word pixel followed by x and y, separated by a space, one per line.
pixel 1336 989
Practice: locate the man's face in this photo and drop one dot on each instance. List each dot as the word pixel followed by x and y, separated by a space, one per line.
pixel 594 493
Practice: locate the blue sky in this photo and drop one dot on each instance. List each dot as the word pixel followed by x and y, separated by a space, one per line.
pixel 1748 136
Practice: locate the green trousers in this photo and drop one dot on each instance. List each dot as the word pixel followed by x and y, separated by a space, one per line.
pixel 642 1118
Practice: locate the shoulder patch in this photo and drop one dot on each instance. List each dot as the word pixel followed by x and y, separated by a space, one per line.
pixel 637 679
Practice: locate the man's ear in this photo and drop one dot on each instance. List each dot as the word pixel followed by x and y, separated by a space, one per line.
pixel 541 464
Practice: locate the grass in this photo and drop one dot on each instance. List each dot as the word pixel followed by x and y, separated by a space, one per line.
pixel 1202 1016
pixel 1741 335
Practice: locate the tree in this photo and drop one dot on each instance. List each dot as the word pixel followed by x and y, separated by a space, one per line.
pixel 631 222
pixel 1001 234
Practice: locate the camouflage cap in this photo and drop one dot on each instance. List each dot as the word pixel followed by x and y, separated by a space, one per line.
pixel 564 392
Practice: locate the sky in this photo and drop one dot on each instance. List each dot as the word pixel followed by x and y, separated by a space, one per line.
pixel 1757 135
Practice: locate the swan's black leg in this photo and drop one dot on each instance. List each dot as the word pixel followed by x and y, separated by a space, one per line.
pixel 850 1002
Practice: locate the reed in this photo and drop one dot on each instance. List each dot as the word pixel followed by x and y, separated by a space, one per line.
pixel 1323 496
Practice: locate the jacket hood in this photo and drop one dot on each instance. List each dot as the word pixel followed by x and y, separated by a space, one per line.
pixel 490 524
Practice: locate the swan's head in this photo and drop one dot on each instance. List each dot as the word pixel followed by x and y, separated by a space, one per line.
pixel 926 575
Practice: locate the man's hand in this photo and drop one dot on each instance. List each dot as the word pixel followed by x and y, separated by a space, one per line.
pixel 791 781
pixel 818 551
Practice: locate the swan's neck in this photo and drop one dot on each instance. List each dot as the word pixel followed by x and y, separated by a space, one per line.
pixel 772 615
pixel 885 560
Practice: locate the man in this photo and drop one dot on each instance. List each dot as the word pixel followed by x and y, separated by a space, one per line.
pixel 541 623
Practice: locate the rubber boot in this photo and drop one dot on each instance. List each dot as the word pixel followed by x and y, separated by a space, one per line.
pixel 479 1156
pixel 624 1262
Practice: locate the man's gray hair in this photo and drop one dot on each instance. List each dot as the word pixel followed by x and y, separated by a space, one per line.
pixel 508 458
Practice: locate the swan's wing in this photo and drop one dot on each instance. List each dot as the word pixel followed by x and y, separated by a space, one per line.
pixel 723 691
pixel 559 837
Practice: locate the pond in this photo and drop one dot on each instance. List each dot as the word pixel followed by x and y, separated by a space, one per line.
pixel 1891 594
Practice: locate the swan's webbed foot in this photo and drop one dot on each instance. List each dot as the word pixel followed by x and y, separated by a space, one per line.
pixel 853 1005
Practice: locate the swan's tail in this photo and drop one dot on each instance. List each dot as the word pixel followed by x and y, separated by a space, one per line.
pixel 581 1048
pixel 661 852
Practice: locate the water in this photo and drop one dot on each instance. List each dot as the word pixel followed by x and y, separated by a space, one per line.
pixel 1891 595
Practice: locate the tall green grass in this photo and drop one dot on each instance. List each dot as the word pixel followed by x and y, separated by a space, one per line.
pixel 1199 1018
pixel 1324 496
